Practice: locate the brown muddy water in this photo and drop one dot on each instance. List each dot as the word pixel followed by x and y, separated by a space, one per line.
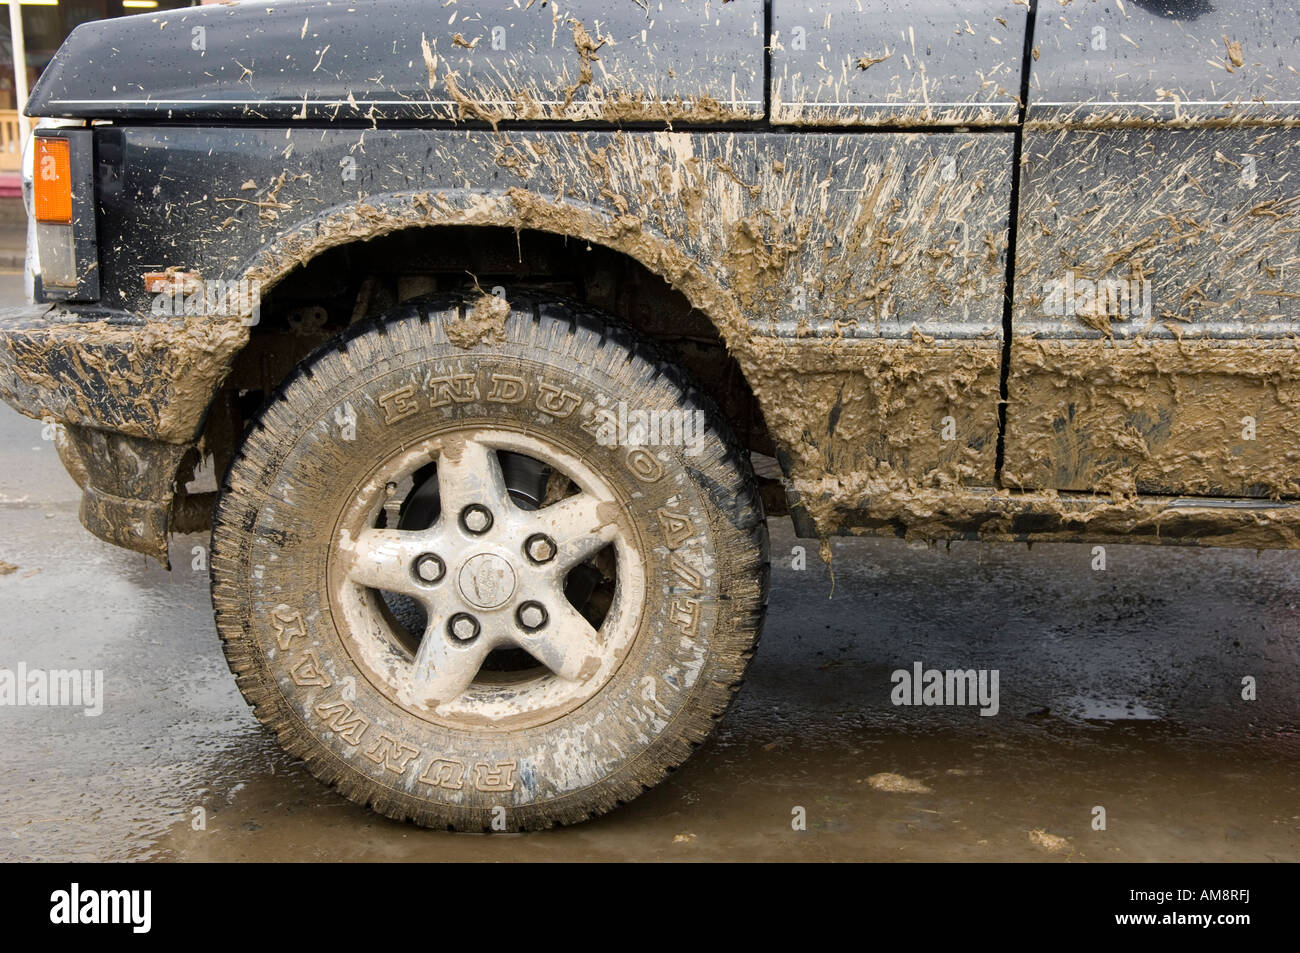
pixel 1119 689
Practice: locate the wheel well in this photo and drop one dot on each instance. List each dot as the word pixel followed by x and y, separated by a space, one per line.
pixel 320 299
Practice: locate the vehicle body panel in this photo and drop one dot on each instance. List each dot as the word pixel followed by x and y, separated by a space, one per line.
pixel 683 204
pixel 897 63
pixel 409 60
pixel 1160 159
pixel 1164 61
pixel 850 246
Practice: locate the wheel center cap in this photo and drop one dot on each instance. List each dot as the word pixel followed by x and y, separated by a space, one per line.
pixel 486 581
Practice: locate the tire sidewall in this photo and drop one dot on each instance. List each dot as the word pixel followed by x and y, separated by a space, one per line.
pixel 401 382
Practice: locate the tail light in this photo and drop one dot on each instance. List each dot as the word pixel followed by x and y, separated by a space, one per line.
pixel 52 181
pixel 63 209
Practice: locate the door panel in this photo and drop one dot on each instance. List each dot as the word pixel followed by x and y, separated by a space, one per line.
pixel 1157 253
pixel 896 62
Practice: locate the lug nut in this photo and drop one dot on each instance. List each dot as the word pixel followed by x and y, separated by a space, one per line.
pixel 429 568
pixel 540 548
pixel 531 616
pixel 463 627
pixel 476 518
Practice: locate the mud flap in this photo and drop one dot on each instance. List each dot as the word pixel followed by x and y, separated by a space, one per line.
pixel 129 490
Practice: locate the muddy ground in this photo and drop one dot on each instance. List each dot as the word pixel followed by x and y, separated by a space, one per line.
pixel 1119 688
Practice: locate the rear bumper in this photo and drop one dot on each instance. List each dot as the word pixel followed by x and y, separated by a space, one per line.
pixel 131 396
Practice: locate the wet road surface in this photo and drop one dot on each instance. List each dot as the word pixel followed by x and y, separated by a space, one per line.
pixel 1119 688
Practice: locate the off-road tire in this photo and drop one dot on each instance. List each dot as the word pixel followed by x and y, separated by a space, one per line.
pixel 286 602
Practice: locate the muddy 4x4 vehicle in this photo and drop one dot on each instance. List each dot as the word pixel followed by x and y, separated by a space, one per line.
pixel 507 323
